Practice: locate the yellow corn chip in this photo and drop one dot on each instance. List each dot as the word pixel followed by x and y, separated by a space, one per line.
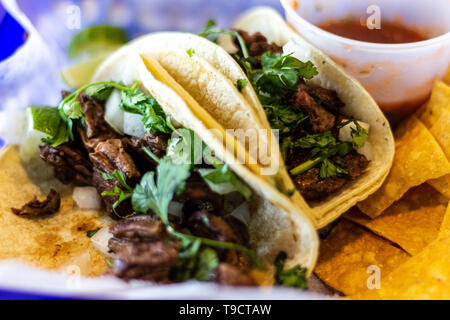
pixel 418 158
pixel 445 227
pixel 349 256
pixel 439 101
pixel 412 222
pixel 425 276
pixel 441 184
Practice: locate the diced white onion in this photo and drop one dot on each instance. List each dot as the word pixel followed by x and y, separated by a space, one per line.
pixel 100 240
pixel 220 188
pixel 300 52
pixel 87 198
pixel 242 213
pixel 367 151
pixel 133 126
pixel 176 209
pixel 113 114
pixel 345 133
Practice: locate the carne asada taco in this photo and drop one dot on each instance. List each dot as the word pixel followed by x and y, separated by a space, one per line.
pixel 180 213
pixel 336 145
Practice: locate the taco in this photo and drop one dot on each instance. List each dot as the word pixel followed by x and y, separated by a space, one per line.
pixel 180 204
pixel 335 144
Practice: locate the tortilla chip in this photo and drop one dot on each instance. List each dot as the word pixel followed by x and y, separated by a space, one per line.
pixel 439 101
pixel 440 129
pixel 445 227
pixel 348 251
pixel 55 242
pixel 412 222
pixel 418 158
pixel 425 276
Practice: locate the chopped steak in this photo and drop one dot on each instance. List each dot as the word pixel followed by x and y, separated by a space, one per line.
pixel 313 188
pixel 70 163
pixel 319 119
pixel 355 164
pixel 37 208
pixel 108 157
pixel 229 275
pixel 198 196
pixel 257 44
pixel 206 225
pixel 156 143
pixel 141 227
pixel 150 261
pixel 327 98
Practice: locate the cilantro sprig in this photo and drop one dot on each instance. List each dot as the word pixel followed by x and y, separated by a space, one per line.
pixel 294 277
pixel 323 147
pixel 123 192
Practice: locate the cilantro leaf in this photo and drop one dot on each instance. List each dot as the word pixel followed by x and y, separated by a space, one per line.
pixel 156 195
pixel 223 174
pixel 154 117
pixel 208 261
pixel 241 83
pixel 91 233
pixel 328 170
pixel 72 108
pixel 100 92
pixel 359 135
pixel 190 52
pixel 294 277
pixel 123 192
pixel 284 118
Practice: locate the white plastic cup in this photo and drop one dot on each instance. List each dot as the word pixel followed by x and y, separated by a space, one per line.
pixel 399 76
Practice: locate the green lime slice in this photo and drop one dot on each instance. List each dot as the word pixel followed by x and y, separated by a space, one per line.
pixel 97 39
pixel 82 73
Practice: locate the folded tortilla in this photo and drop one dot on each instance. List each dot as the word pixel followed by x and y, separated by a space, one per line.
pixel 275 224
pixel 210 76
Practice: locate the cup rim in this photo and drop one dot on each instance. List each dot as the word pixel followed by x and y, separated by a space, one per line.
pixel 363 44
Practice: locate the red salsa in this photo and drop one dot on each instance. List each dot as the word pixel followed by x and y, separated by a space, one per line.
pixel 390 32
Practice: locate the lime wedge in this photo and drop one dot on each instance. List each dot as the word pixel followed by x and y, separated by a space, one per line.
pixel 80 74
pixel 97 39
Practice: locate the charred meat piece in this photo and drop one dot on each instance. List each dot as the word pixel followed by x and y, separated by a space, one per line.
pixel 150 261
pixel 139 228
pixel 229 275
pixel 108 157
pixel 355 164
pixel 198 196
pixel 206 225
pixel 94 115
pixel 70 163
pixel 327 98
pixel 156 143
pixel 141 250
pixel 313 188
pixel 319 119
pixel 37 208
pixel 257 44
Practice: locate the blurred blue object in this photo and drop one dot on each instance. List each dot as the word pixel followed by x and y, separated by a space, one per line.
pixel 11 30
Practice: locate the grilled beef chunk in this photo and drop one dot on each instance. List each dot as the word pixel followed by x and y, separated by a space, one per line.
pixel 150 261
pixel 70 163
pixel 313 188
pixel 95 129
pixel 141 250
pixel 327 98
pixel 155 142
pixel 37 208
pixel 319 119
pixel 206 225
pixel 139 228
pixel 229 275
pixel 257 44
pixel 108 157
pixel 355 164
pixel 198 196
